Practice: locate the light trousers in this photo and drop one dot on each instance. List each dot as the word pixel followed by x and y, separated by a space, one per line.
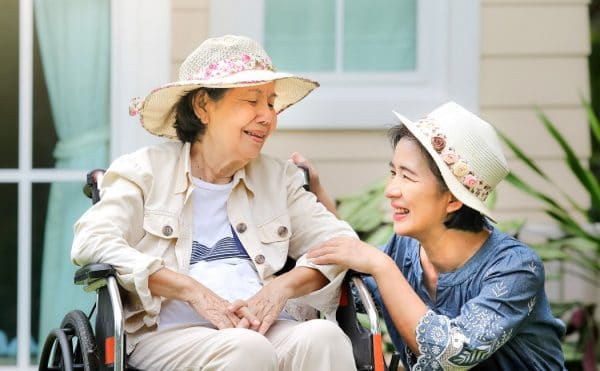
pixel 316 345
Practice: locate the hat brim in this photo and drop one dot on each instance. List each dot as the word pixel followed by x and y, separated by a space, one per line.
pixel 456 188
pixel 158 116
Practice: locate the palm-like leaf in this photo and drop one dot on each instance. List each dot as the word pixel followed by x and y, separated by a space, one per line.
pixel 585 177
pixel 579 246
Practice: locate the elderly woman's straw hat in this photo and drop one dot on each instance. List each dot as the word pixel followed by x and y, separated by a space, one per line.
pixel 222 62
pixel 467 151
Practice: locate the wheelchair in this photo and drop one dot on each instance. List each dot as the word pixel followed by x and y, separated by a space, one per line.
pixel 76 346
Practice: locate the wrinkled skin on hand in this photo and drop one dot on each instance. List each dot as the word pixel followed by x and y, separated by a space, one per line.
pixel 265 306
pixel 215 310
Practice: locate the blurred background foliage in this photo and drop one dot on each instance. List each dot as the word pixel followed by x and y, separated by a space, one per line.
pixel 594 72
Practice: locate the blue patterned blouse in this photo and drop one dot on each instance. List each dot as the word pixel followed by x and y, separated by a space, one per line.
pixel 492 313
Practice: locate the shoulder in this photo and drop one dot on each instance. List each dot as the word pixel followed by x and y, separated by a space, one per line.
pixel 164 150
pixel 508 254
pixel 269 171
pixel 147 163
pixel 146 157
pixel 265 163
pixel 404 250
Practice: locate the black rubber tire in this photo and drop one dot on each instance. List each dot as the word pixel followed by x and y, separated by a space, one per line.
pixel 84 354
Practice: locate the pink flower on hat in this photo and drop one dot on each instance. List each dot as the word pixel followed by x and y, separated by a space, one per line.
pixel 470 181
pixel 438 142
pixel 449 156
pixel 134 106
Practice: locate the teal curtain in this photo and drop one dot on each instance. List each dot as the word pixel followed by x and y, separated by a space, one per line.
pixel 378 35
pixel 74 38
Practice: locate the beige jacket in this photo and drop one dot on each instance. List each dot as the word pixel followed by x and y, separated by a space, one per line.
pixel 143 222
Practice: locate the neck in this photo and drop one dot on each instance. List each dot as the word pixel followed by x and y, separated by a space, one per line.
pixel 451 249
pixel 212 166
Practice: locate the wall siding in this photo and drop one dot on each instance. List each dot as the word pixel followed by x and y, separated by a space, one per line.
pixel 533 55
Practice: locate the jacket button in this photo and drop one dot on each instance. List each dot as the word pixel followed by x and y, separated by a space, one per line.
pixel 241 227
pixel 167 230
pixel 282 231
pixel 259 259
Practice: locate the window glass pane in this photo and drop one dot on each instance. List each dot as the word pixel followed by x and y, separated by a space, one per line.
pixel 44 136
pixel 379 35
pixel 40 193
pixel 8 273
pixel 9 89
pixel 300 35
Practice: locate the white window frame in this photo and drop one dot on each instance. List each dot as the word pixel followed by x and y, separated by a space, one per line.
pixel 140 60
pixel 447 68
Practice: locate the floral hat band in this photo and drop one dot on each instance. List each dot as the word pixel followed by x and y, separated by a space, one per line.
pixel 231 66
pixel 458 166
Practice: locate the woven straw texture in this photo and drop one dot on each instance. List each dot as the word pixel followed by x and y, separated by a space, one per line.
pixel 223 62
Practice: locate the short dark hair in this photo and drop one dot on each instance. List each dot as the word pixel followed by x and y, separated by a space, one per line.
pixel 465 218
pixel 188 126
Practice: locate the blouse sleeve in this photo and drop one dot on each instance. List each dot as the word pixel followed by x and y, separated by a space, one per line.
pixel 508 295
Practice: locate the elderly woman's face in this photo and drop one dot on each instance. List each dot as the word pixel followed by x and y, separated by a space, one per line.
pixel 242 120
pixel 419 205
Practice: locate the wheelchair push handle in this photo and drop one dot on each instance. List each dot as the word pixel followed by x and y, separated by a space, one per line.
pixel 306 174
pixel 92 185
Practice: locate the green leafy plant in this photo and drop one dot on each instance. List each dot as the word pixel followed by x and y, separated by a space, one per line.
pixel 366 213
pixel 579 244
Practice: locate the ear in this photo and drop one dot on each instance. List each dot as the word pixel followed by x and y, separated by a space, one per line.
pixel 453 204
pixel 199 105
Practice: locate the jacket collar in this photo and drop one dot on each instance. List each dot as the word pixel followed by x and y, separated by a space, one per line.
pixel 183 171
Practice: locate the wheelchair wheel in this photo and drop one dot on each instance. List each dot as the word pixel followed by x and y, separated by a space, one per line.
pixel 72 347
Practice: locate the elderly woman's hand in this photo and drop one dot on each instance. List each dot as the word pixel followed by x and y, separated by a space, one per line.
pixel 268 303
pixel 265 307
pixel 216 310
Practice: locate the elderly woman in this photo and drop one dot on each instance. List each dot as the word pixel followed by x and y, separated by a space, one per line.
pixel 198 228
pixel 456 292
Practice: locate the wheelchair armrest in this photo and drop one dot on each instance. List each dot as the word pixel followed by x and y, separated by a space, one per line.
pixel 92 273
pixel 367 301
pixel 366 343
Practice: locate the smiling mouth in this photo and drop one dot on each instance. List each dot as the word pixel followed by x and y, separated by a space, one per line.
pixel 401 211
pixel 254 134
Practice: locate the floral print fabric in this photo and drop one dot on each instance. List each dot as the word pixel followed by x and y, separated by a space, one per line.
pixel 492 313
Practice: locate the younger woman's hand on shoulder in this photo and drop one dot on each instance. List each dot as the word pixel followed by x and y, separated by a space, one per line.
pixel 349 252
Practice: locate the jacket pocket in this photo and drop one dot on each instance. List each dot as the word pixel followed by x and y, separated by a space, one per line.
pixel 161 225
pixel 275 230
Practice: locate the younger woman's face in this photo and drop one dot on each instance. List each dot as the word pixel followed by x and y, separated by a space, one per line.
pixel 419 205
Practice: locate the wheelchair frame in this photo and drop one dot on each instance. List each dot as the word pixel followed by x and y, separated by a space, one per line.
pixel 64 346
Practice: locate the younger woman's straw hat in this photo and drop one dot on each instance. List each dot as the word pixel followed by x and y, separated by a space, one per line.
pixel 222 62
pixel 467 151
